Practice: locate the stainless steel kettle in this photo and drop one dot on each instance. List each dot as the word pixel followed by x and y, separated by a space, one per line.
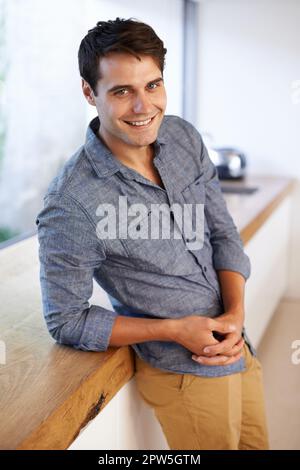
pixel 230 162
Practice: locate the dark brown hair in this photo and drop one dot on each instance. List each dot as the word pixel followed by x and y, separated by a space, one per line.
pixel 119 35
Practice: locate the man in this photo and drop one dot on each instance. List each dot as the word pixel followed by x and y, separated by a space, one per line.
pixel 179 304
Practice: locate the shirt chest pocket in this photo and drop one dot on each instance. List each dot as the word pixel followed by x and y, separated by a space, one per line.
pixel 195 192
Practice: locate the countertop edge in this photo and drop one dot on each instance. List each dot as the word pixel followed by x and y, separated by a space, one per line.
pixel 62 427
pixel 250 229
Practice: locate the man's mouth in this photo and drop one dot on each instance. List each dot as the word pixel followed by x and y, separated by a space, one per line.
pixel 141 124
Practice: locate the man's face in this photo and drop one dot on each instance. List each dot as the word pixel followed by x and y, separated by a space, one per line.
pixel 130 101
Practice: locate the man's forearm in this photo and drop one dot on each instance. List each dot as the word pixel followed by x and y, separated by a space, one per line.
pixel 232 288
pixel 131 330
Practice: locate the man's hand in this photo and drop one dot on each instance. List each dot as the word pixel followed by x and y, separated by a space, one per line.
pixel 229 349
pixel 196 332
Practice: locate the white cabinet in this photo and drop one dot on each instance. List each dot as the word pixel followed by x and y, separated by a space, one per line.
pixel 268 252
pixel 126 423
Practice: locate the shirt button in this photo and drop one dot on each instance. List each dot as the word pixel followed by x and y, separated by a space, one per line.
pixel 205 268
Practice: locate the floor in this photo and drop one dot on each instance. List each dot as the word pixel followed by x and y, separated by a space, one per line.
pixel 282 375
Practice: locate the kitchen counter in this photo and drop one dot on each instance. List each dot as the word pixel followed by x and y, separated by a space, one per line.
pixel 250 211
pixel 49 392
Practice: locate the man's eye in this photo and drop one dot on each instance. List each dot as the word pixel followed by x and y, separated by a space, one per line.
pixel 152 86
pixel 121 92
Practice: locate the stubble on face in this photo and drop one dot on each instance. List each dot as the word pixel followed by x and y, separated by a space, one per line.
pixel 140 96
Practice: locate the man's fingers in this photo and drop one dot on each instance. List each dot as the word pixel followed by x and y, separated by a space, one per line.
pixel 228 347
pixel 222 326
pixel 237 348
pixel 216 360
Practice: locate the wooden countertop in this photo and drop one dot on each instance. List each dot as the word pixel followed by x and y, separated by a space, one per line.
pixel 49 392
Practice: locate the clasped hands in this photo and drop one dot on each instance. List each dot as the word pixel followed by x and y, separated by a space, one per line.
pixel 225 347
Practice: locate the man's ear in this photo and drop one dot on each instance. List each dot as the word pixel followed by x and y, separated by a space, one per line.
pixel 88 92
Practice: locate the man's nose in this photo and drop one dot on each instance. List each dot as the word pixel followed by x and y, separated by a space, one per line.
pixel 142 104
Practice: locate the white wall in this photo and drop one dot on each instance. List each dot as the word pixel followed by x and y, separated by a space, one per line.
pixel 248 63
pixel 248 58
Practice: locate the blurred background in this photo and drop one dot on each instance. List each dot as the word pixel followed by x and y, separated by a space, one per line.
pixel 232 69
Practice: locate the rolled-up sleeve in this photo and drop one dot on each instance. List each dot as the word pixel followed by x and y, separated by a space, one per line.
pixel 228 251
pixel 69 253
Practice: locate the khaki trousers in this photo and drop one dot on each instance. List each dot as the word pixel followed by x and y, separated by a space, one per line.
pixel 204 413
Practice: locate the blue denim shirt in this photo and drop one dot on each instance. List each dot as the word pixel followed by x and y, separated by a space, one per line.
pixel 149 278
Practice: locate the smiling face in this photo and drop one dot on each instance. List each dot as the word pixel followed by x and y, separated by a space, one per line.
pixel 130 101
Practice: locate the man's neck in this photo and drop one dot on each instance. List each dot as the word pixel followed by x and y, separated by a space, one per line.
pixel 138 157
pixel 142 158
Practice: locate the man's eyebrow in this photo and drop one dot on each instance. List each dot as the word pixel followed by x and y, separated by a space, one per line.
pixel 117 87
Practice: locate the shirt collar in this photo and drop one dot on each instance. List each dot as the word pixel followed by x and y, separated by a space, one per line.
pixel 101 158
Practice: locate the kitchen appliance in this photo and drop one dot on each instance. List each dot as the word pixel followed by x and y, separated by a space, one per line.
pixel 230 162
